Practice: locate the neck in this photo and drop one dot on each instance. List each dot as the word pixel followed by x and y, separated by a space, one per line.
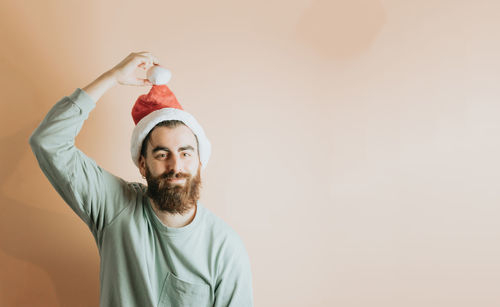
pixel 174 220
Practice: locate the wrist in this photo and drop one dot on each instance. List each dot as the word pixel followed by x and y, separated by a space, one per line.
pixel 100 85
pixel 109 78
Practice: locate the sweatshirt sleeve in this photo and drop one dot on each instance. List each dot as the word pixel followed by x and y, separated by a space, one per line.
pixel 94 194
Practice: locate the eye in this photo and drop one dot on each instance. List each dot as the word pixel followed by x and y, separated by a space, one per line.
pixel 163 155
pixel 186 154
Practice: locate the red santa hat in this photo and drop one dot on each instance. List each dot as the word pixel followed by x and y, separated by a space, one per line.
pixel 159 105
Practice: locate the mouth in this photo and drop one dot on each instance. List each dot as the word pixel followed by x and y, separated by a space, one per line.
pixel 176 180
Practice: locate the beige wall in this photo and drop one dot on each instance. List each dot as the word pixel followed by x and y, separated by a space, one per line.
pixel 356 142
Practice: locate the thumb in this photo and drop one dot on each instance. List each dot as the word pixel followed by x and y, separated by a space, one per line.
pixel 140 82
pixel 146 82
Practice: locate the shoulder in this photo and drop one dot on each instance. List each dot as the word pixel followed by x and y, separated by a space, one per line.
pixel 222 236
pixel 233 274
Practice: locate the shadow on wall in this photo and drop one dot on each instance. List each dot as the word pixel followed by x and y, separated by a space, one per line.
pixel 340 29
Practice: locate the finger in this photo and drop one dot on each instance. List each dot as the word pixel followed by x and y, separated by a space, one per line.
pixel 154 59
pixel 144 60
pixel 147 65
pixel 143 82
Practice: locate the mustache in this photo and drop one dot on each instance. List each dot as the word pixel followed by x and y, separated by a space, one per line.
pixel 172 174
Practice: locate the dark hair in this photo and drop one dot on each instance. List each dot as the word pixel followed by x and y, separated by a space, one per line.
pixel 169 124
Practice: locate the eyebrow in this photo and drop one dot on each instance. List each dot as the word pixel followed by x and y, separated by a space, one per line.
pixel 161 148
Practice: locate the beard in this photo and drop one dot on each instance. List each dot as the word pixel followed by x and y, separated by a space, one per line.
pixel 174 198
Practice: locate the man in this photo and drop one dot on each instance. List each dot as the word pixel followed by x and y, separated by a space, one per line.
pixel 158 245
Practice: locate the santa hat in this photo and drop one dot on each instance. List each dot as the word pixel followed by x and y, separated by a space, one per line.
pixel 158 105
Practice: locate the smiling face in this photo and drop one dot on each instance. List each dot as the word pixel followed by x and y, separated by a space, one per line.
pixel 171 150
pixel 172 168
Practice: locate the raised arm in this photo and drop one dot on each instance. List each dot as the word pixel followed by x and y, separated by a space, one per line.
pixel 94 194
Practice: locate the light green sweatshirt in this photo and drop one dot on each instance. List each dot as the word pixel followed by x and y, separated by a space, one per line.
pixel 143 262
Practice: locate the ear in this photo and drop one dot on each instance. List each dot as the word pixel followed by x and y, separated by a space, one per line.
pixel 142 165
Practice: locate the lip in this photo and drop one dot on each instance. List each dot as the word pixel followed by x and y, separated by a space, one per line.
pixel 176 179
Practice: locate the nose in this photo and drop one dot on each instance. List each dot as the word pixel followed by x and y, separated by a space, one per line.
pixel 174 164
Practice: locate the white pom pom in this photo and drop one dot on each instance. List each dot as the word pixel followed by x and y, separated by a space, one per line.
pixel 158 75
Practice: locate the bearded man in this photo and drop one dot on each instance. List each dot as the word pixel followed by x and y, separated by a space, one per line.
pixel 158 245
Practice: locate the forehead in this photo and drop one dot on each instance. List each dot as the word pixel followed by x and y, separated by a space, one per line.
pixel 172 138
